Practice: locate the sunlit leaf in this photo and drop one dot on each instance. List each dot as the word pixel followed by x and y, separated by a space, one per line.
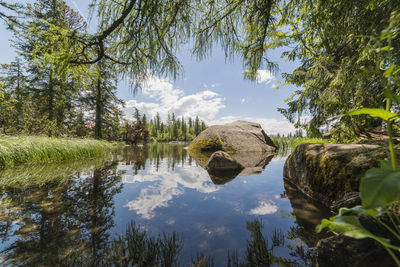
pixel 380 187
pixel 375 112
pixel 389 71
pixel 350 226
pixel 386 48
pixel 360 210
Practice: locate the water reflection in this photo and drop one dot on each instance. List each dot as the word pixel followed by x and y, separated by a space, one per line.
pixel 308 215
pixel 165 186
pixel 59 222
pixel 81 213
pixel 253 163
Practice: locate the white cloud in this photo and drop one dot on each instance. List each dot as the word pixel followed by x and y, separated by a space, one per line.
pixel 264 208
pixel 264 76
pixel 165 98
pixel 270 125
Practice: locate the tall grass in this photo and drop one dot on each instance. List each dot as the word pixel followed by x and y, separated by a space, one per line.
pixel 288 144
pixel 15 150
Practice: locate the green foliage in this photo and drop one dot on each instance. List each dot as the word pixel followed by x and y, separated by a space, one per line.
pixel 203 144
pixel 380 187
pixel 287 144
pixel 342 64
pixel 351 226
pixel 23 149
pixel 376 112
pixel 7 112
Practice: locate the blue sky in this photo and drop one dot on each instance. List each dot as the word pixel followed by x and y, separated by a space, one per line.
pixel 213 89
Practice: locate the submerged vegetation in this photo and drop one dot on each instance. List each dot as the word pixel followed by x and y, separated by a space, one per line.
pixel 15 150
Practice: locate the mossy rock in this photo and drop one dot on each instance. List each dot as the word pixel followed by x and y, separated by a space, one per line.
pixel 326 172
pixel 206 145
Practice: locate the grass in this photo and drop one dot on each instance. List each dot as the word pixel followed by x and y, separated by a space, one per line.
pixel 288 144
pixel 16 150
pixel 21 177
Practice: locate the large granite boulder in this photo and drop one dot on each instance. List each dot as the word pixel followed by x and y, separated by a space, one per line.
pixel 326 172
pixel 236 136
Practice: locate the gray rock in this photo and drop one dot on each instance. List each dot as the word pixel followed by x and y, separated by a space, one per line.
pixel 239 136
pixel 222 161
pixel 326 172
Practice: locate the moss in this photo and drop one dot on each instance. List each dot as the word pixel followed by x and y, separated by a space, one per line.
pixel 200 157
pixel 331 179
pixel 229 149
pixel 204 144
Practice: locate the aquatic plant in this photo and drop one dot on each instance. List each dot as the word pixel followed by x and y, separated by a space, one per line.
pixel 15 150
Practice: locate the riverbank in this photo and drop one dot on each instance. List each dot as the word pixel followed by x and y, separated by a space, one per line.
pixel 16 150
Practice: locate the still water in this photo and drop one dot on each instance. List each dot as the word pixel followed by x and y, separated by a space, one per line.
pixel 68 214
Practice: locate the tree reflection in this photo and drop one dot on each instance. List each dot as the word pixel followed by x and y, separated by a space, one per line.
pixel 61 222
pixel 261 251
pixel 154 154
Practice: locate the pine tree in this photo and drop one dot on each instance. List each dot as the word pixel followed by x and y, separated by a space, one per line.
pixel 15 81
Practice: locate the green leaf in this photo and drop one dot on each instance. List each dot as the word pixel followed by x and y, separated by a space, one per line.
pixel 360 210
pixel 350 226
pixel 375 112
pixel 380 187
pixel 386 48
pixel 389 71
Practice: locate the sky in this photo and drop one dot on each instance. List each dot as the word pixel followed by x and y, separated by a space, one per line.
pixel 213 89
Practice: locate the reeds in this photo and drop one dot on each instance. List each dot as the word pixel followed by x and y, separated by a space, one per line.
pixel 15 150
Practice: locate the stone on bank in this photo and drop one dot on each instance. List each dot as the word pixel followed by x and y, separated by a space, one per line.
pixel 326 172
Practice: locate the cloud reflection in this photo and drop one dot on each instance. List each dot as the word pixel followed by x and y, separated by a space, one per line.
pixel 264 208
pixel 165 186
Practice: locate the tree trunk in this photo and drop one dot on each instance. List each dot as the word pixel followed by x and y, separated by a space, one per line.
pixel 99 112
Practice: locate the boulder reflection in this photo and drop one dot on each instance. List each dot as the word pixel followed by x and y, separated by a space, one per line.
pixel 253 163
pixel 308 215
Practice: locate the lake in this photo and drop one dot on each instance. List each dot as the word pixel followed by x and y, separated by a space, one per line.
pixel 66 214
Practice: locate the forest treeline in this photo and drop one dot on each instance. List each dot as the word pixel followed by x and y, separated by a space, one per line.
pixel 173 129
pixel 36 98
pixel 347 55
